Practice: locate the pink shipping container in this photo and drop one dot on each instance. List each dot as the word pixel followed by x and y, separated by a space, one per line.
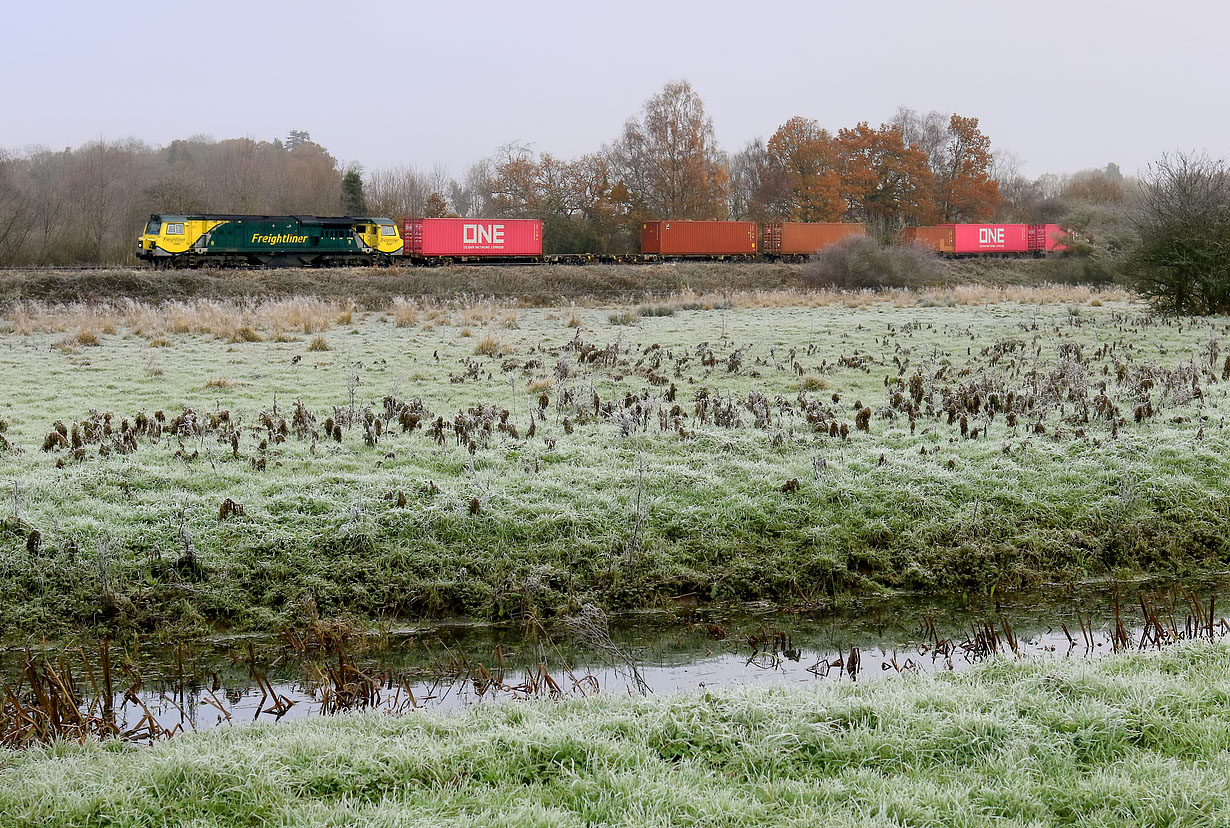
pixel 472 237
pixel 964 239
pixel 699 238
pixel 991 238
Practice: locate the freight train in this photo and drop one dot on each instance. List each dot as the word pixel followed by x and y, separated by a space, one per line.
pixel 281 241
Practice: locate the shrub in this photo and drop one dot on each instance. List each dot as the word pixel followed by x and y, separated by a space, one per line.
pixel 655 310
pixel 1182 220
pixel 1087 267
pixel 624 317
pixel 862 262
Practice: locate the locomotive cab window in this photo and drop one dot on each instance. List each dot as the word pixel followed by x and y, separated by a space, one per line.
pixel 388 230
pixel 175 229
pixel 153 228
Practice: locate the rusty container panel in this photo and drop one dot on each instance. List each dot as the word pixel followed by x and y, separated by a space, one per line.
pixel 792 238
pixel 699 238
pixel 472 237
pixel 937 237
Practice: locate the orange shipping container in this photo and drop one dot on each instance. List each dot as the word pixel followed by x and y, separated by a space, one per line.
pixel 699 238
pixel 940 237
pixel 804 238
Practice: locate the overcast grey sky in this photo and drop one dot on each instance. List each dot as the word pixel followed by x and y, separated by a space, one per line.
pixel 1063 85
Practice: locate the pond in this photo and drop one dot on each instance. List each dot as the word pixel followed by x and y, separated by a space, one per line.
pixel 143 693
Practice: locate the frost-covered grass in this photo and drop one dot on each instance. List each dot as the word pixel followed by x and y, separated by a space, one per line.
pixel 1121 741
pixel 1005 443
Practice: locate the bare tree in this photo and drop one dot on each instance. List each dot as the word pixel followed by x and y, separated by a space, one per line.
pixel 404 191
pixel 750 177
pixel 16 217
pixel 669 158
pixel 472 195
pixel 101 184
pixel 928 133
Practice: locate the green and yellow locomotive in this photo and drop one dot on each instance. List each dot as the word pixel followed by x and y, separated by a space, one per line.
pixel 269 241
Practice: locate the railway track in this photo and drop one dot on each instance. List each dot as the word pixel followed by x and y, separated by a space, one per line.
pixel 549 260
pixel 67 268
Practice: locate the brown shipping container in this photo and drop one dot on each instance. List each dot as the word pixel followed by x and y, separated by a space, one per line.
pixel 940 237
pixel 699 238
pixel 804 238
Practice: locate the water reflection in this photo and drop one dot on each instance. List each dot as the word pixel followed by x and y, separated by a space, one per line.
pixel 143 694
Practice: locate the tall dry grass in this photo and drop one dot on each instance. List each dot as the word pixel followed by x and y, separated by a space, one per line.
pixel 247 321
pixel 971 295
pixel 233 321
pixel 405 312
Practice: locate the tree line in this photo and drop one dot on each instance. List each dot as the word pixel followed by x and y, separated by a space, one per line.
pixel 84 205
pixel 87 205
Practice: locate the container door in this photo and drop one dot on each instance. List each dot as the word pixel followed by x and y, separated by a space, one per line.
pixel 772 241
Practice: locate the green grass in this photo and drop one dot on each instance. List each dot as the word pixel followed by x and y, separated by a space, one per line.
pixel 1120 741
pixel 610 508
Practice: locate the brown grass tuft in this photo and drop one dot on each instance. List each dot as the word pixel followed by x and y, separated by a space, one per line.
pixel 405 313
pixel 492 346
pixel 319 343
pixel 87 337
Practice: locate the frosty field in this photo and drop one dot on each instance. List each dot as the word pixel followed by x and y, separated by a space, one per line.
pixel 210 464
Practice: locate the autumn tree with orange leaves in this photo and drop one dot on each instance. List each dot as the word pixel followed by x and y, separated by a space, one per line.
pixel 804 159
pixel 884 182
pixel 965 190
